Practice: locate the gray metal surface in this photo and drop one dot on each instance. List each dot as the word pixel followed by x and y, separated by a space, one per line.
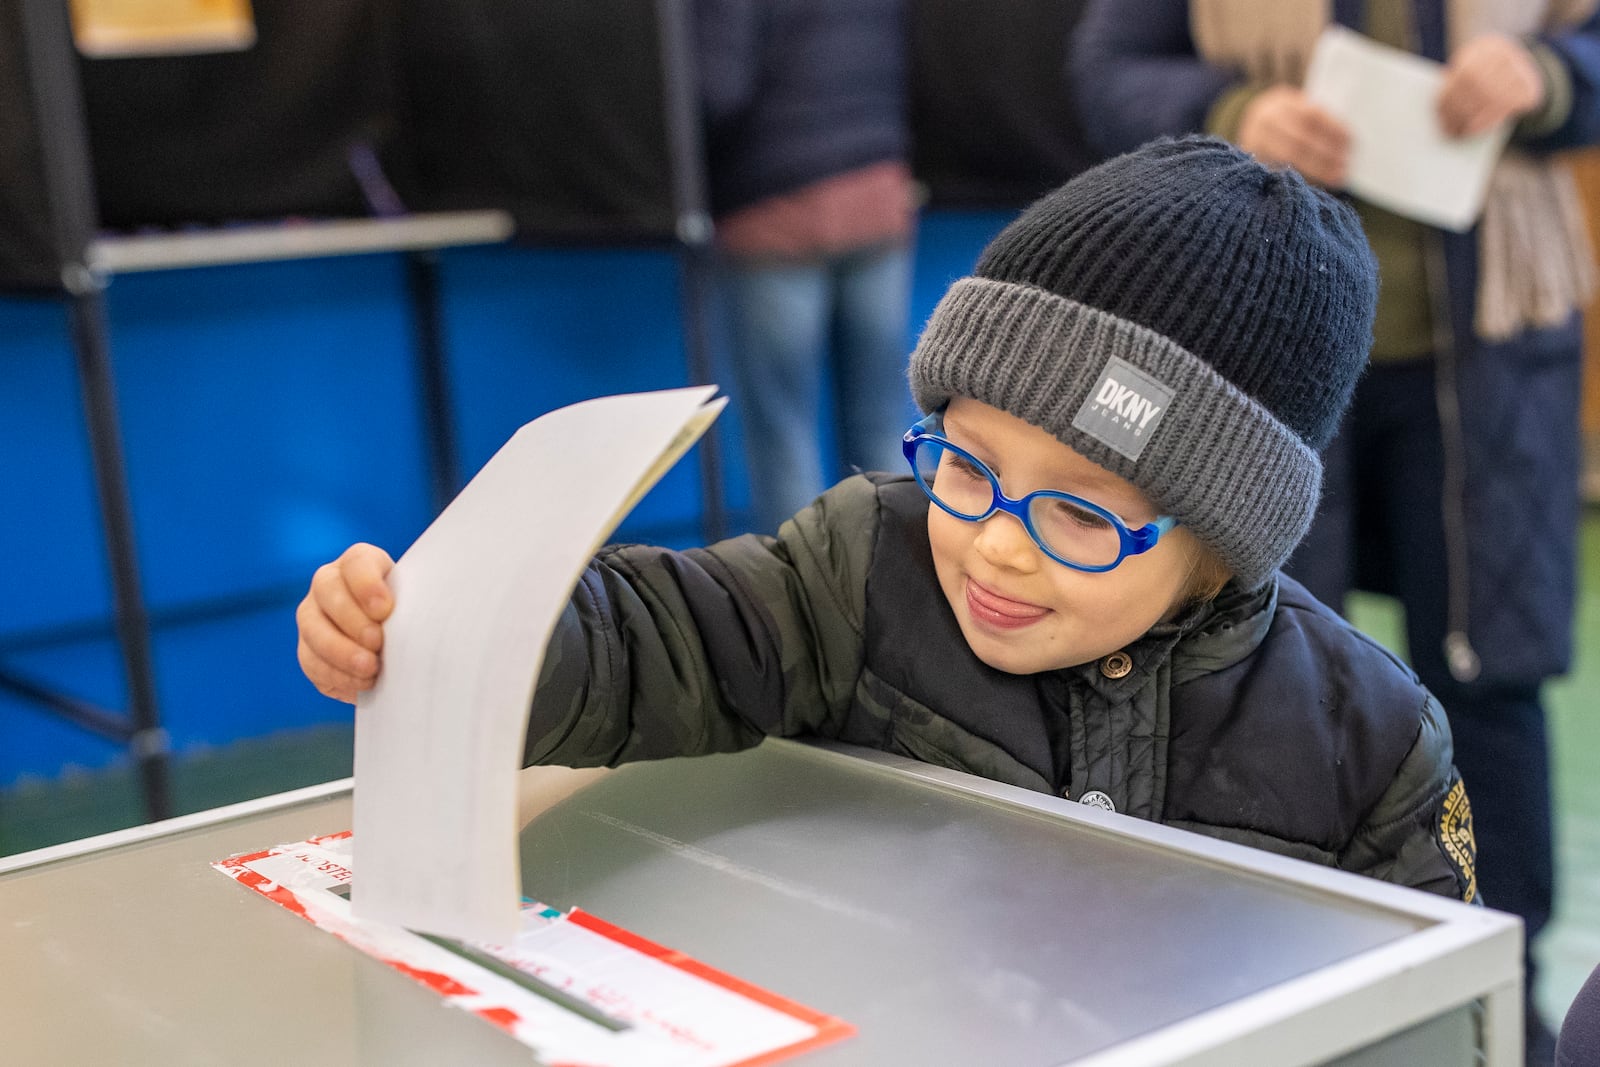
pixel 145 955
pixel 947 928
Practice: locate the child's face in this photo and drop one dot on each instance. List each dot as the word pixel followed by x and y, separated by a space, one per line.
pixel 1020 610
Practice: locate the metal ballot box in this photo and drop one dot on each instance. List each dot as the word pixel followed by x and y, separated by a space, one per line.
pixel 950 919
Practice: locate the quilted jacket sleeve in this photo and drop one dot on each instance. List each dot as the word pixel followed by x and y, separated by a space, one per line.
pixel 662 653
pixel 1420 832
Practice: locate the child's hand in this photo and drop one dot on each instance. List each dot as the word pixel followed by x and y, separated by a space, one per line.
pixel 341 622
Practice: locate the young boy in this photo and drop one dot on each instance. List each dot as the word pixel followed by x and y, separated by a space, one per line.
pixel 1140 373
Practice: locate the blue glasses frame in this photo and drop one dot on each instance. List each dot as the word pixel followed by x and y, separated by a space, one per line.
pixel 1132 541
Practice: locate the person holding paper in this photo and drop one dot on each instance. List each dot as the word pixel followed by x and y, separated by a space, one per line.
pixel 1145 405
pixel 1453 483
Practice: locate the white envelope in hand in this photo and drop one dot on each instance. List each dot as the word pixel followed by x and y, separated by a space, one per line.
pixel 1400 158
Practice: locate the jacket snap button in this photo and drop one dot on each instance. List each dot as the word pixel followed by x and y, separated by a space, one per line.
pixel 1116 665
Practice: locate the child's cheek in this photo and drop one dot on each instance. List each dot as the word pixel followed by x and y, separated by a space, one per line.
pixel 948 539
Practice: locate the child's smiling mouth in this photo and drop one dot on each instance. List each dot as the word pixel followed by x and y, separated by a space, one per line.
pixel 989 609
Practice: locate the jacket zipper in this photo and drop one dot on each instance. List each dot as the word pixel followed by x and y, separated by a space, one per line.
pixel 1459 655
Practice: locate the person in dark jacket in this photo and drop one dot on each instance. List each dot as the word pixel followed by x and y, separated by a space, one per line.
pixel 807 141
pixel 1454 482
pixel 1076 590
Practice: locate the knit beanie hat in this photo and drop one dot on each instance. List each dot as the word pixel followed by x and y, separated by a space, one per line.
pixel 1185 317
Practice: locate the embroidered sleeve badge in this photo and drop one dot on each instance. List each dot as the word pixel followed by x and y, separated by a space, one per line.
pixel 1460 848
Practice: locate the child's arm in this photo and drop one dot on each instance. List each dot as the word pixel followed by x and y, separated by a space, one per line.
pixel 657 653
pixel 1420 832
pixel 663 653
pixel 341 622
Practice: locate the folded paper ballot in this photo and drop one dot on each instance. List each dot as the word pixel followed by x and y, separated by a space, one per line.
pixel 439 740
pixel 1400 157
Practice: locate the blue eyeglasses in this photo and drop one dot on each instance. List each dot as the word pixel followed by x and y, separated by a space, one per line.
pixel 1074 532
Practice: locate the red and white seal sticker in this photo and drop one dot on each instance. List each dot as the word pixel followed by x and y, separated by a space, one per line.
pixel 570 985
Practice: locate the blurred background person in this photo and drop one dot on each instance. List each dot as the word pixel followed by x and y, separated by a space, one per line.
pixel 811 194
pixel 1453 484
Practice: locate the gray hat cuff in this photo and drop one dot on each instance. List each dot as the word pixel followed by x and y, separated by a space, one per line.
pixel 1211 455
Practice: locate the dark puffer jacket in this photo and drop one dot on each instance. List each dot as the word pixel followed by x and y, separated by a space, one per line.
pixel 1262 718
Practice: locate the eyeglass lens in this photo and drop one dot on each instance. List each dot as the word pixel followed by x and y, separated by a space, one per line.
pixel 969 489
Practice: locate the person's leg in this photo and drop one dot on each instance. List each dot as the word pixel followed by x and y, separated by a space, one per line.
pixel 870 355
pixel 777 316
pixel 1503 756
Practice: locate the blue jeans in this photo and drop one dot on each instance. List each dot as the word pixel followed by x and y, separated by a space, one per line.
pixel 795 325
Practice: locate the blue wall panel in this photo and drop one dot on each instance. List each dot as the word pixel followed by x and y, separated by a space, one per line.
pixel 51 566
pixel 534 330
pixel 283 391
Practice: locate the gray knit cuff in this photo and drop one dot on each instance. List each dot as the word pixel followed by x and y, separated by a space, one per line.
pixel 1136 403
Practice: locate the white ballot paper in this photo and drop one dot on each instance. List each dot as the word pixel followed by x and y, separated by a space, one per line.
pixel 439 739
pixel 1400 158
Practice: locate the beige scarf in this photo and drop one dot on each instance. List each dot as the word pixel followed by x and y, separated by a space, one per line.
pixel 1535 261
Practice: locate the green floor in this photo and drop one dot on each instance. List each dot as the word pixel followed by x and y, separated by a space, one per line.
pixel 44 813
pixel 74 806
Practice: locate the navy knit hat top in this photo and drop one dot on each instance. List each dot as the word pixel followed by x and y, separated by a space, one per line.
pixel 1184 316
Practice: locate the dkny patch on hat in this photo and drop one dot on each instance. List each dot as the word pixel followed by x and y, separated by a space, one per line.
pixel 1187 318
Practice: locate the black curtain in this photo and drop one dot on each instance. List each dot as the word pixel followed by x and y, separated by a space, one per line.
pixel 262 133
pixel 557 111
pixel 993 123
pixel 554 110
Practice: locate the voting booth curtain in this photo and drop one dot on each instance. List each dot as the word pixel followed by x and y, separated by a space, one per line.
pixel 993 123
pixel 261 133
pixel 553 110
